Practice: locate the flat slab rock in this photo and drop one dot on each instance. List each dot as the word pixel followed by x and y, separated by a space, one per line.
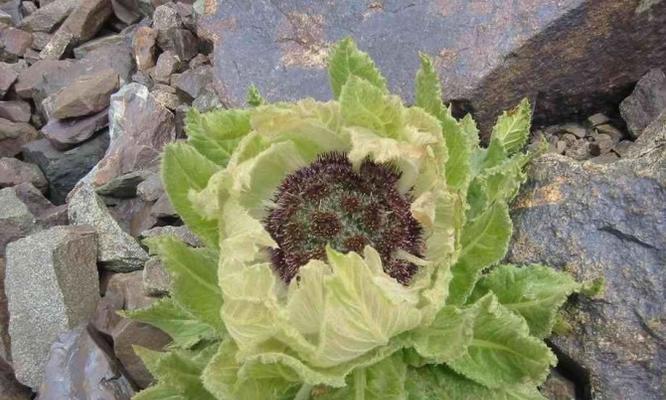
pixel 489 54
pixel 605 221
pixel 52 286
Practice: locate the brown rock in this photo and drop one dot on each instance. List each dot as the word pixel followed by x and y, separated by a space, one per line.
pixel 126 11
pixel 31 80
pixel 45 212
pixel 167 64
pixel 15 218
pixel 14 172
pixel 130 333
pixel 8 76
pixel 182 42
pixel 81 365
pixel 28 7
pixel 165 18
pixel 13 135
pixel 104 41
pixel 40 40
pixel 56 48
pixel 66 133
pixel 194 82
pixel 14 42
pixel 15 110
pixel 151 188
pixel 162 209
pixel 645 103
pixel 87 19
pixel 86 96
pixel 167 98
pixel 144 47
pixel 558 387
pixel 46 18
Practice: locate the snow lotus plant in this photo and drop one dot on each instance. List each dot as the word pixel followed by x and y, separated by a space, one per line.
pixel 350 252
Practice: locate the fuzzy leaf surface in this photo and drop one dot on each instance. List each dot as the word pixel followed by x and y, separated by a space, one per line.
pixel 347 61
pixel 216 134
pixel 513 127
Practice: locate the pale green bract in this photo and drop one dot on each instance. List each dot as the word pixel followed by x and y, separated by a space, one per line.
pixel 345 329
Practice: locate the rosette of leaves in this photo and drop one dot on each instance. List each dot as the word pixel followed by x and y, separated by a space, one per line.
pixel 350 252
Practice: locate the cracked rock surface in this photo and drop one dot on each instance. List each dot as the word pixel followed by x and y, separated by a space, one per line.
pixel 605 221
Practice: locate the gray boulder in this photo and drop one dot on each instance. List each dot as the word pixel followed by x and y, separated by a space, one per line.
pixel 52 286
pixel 645 103
pixel 605 221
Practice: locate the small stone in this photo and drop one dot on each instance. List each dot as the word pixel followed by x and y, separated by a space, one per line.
pixel 151 188
pixel 31 56
pixel 162 209
pixel 144 47
pixel 14 42
pixel 612 131
pixel 575 129
pixel 194 82
pixel 87 19
pixel 166 98
pixel 167 64
pixel 10 388
pixel 97 43
pixel 622 147
pixel 199 60
pixel 206 101
pixel 28 7
pixel 46 213
pixel 15 110
pixel 181 232
pixel 40 40
pixel 645 103
pixel 605 158
pixel 5 18
pixel 129 333
pixel 132 214
pixel 558 387
pixel 569 139
pixel 81 365
pixel 597 119
pixel 604 142
pixel 580 150
pixel 165 17
pixel 15 218
pixel 63 169
pixel 8 76
pixel 67 133
pixel 55 49
pixel 118 251
pixel 124 185
pixel 156 279
pixel 13 135
pixel 182 42
pixel 12 11
pixel 126 11
pixel 144 78
pixel 14 172
pixel 106 317
pixel 46 18
pixel 86 96
pixel 140 127
pixel 52 286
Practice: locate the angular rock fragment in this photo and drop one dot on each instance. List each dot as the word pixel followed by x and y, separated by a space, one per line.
pixel 165 18
pixel 15 110
pixel 12 11
pixel 67 133
pixel 13 135
pixel 143 44
pixel 182 42
pixel 14 172
pixel 9 386
pixel 14 43
pixel 87 19
pixel 167 63
pixel 52 285
pixel 645 103
pixel 156 279
pixel 59 43
pixel 63 169
pixel 123 186
pixel 8 76
pixel 49 16
pixel 15 218
pixel 81 365
pixel 151 188
pixel 86 96
pixel 181 232
pixel 103 41
pixel 118 251
pixel 44 211
pixel 194 82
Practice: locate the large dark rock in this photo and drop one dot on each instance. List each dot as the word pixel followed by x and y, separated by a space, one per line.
pixel 645 103
pixel 573 56
pixel 605 221
pixel 81 365
pixel 63 169
pixel 67 133
pixel 49 16
pixel 87 19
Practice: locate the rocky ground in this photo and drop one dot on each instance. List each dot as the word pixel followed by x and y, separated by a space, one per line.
pixel 91 91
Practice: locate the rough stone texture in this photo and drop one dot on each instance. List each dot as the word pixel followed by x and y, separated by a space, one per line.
pixel 130 333
pixel 162 209
pixel 118 251
pixel 574 56
pixel 81 365
pixel 45 212
pixel 558 387
pixel 14 42
pixel 194 82
pixel 645 103
pixel 124 185
pixel 144 47
pixel 605 221
pixel 139 127
pixel 14 171
pixel 86 96
pixel 182 42
pixel 13 135
pixel 132 214
pixel 12 9
pixel 87 19
pixel 167 98
pixel 9 386
pixel 167 64
pixel 15 218
pixel 40 39
pixel 156 279
pixel 151 188
pixel 103 41
pixel 56 47
pixel 46 18
pixel 52 285
pixel 67 133
pixel 63 169
pixel 181 232
pixel 5 341
pixel 15 110
pixel 8 75
pixel 126 10
pixel 165 18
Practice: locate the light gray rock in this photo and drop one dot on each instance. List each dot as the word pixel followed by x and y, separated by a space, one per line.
pixel 181 232
pixel 118 251
pixel 81 366
pixel 151 188
pixel 52 286
pixel 156 279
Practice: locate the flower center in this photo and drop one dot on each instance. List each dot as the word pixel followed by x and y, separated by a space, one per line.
pixel 328 202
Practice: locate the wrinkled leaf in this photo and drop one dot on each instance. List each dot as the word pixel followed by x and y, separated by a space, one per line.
pixel 347 61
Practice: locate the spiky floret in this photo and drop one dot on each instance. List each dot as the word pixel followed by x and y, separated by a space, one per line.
pixel 328 202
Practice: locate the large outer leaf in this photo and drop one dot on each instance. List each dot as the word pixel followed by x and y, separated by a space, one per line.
pixel 448 336
pixel 185 170
pixel 502 352
pixel 535 292
pixel 513 127
pixel 347 61
pixel 159 392
pixel 484 242
pixel 436 382
pixel 216 134
pixel 428 90
pixel 367 106
pixel 193 278
pixel 185 330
